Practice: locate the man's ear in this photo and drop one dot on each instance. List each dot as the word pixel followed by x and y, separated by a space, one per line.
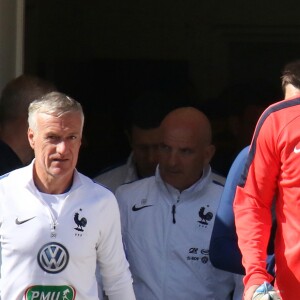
pixel 209 153
pixel 30 135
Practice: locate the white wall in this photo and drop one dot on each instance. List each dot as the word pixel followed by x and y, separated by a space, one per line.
pixel 11 39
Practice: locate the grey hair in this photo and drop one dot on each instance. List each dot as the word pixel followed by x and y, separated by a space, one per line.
pixel 54 103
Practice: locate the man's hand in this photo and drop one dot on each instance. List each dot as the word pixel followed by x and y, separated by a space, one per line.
pixel 250 291
pixel 263 292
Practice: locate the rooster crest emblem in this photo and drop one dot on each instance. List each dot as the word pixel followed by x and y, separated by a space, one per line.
pixel 205 216
pixel 80 221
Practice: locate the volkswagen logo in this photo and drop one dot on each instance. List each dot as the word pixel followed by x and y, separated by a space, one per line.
pixel 53 258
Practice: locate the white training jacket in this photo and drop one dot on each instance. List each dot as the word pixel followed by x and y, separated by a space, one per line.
pixel 167 235
pixel 112 178
pixel 45 258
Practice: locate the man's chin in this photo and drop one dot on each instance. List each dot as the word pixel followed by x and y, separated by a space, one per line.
pixel 172 180
pixel 58 172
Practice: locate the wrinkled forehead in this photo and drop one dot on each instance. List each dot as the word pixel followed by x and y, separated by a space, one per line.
pixel 72 120
pixel 181 137
pixel 188 132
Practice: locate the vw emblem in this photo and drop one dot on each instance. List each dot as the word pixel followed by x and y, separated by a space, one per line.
pixel 53 258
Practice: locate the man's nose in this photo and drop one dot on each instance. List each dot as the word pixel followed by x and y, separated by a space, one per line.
pixel 61 147
pixel 173 158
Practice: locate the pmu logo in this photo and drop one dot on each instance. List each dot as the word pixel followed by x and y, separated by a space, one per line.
pixel 50 292
pixel 53 258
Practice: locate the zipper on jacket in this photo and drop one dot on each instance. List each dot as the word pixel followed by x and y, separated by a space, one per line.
pixel 173 213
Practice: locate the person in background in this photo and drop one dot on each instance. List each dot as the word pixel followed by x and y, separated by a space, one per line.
pixel 15 151
pixel 142 129
pixel 56 223
pixel 167 219
pixel 234 114
pixel 272 176
pixel 224 233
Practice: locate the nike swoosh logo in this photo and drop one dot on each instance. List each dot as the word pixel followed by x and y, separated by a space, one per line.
pixel 19 222
pixel 134 208
pixel 296 150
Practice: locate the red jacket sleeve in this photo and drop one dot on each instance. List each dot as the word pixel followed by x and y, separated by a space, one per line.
pixel 253 202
